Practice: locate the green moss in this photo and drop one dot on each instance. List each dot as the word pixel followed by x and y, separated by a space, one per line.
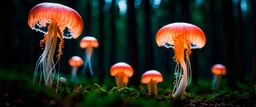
pixel 106 94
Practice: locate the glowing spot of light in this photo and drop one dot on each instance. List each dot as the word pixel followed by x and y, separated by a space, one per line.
pixel 122 7
pixel 243 5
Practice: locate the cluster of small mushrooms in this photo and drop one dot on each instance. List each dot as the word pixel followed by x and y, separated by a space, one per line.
pixel 181 37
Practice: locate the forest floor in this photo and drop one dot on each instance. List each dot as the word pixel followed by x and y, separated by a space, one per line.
pixel 17 90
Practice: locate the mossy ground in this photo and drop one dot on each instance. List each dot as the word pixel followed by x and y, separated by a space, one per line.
pixel 18 90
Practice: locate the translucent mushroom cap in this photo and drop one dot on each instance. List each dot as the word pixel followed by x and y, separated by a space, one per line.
pixel 76 61
pixel 151 75
pixel 165 36
pixel 69 21
pixel 121 67
pixel 218 69
pixel 89 41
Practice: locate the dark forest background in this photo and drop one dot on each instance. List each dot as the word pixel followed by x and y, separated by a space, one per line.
pixel 126 31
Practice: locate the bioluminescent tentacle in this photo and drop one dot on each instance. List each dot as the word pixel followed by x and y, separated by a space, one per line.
pixel 183 82
pixel 41 62
pixel 188 52
pixel 87 57
pixel 73 75
pixel 189 70
pixel 178 76
pixel 50 63
pixel 61 45
pixel 179 58
pixel 85 64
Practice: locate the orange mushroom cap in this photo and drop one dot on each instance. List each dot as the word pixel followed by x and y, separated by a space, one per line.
pixel 151 75
pixel 76 61
pixel 89 41
pixel 188 31
pixel 121 67
pixel 218 69
pixel 43 13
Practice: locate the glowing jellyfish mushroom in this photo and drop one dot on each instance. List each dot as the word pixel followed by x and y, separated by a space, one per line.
pixel 75 62
pixel 151 78
pixel 88 43
pixel 218 70
pixel 122 71
pixel 60 22
pixel 182 37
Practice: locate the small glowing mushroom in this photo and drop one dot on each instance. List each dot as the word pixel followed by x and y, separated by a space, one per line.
pixel 182 37
pixel 151 78
pixel 88 43
pixel 218 70
pixel 75 62
pixel 122 71
pixel 55 21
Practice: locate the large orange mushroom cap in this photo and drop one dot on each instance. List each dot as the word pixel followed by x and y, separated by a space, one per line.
pixel 76 61
pixel 218 69
pixel 89 41
pixel 44 13
pixel 151 75
pixel 121 67
pixel 189 32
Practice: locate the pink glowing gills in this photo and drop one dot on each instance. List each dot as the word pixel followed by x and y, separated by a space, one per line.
pixel 53 20
pixel 75 62
pixel 88 43
pixel 182 37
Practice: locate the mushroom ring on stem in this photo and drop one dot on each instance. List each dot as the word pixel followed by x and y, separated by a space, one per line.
pixel 122 71
pixel 151 78
pixel 182 37
pixel 55 21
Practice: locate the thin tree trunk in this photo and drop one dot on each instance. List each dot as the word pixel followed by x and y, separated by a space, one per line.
pixel 132 41
pixel 213 33
pixel 113 32
pixel 229 42
pixel 6 41
pixel 148 37
pixel 101 41
pixel 88 20
pixel 241 44
pixel 254 40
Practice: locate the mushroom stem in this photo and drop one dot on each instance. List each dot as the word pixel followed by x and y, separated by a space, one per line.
pixel 216 82
pixel 120 81
pixel 73 75
pixel 87 58
pixel 181 81
pixel 179 91
pixel 125 80
pixel 52 32
pixel 152 88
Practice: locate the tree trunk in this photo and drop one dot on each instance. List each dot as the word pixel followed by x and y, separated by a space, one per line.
pixel 229 42
pixel 213 33
pixel 148 37
pixel 101 41
pixel 241 44
pixel 88 11
pixel 6 40
pixel 132 41
pixel 113 32
pixel 254 40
